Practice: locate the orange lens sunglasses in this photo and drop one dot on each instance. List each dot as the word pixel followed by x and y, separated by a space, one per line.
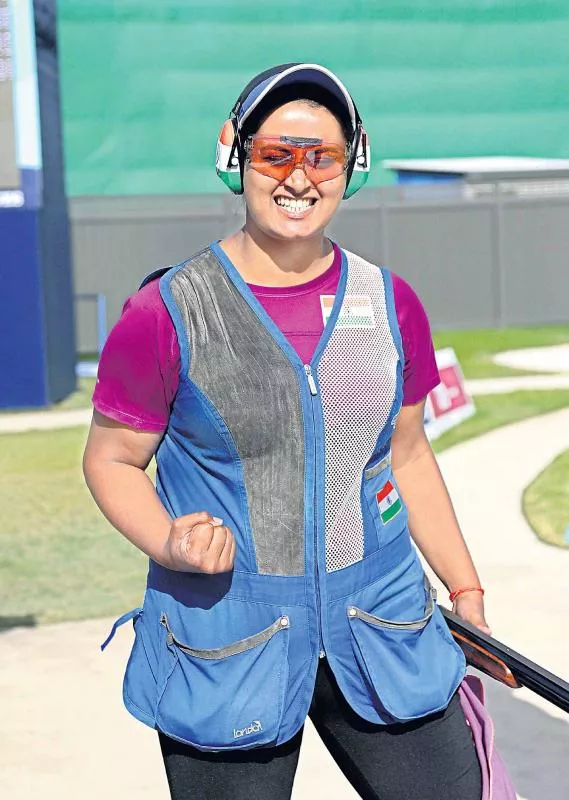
pixel 278 156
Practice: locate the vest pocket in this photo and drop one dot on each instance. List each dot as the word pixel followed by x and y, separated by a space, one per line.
pixel 378 466
pixel 401 660
pixel 229 697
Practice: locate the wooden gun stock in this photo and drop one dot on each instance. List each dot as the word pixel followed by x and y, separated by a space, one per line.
pixel 478 657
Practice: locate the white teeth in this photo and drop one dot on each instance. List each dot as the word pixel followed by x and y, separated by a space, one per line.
pixel 293 205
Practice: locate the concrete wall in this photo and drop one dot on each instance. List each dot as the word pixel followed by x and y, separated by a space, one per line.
pixel 478 257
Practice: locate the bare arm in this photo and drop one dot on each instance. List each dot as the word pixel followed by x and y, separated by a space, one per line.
pixel 113 463
pixel 432 520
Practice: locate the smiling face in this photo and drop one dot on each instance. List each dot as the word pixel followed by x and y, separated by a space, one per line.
pixel 294 208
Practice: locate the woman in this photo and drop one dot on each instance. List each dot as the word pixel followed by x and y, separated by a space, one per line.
pixel 281 382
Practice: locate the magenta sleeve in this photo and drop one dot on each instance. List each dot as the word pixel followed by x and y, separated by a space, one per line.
pixel 139 367
pixel 420 373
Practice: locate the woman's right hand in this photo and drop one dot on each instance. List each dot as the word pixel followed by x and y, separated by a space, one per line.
pixel 199 542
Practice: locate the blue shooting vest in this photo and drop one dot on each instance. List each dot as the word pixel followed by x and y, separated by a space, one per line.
pixel 295 459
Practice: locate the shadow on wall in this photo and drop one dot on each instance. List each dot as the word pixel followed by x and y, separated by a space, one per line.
pixel 25 621
pixel 532 743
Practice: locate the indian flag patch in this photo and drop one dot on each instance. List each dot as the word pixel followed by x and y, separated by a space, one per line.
pixel 356 311
pixel 388 502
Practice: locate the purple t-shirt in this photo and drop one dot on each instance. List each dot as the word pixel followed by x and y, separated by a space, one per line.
pixel 139 368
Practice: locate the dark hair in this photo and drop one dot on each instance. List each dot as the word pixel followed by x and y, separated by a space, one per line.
pixel 308 93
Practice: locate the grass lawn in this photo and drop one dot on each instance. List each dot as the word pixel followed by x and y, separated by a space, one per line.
pixel 493 411
pixel 59 558
pixel 545 502
pixel 476 347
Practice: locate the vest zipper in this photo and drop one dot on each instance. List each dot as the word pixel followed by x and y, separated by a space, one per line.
pixel 311 383
pixel 314 391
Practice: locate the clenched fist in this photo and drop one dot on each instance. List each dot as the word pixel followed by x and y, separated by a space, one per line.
pixel 200 543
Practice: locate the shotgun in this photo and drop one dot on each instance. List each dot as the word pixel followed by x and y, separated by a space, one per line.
pixel 505 665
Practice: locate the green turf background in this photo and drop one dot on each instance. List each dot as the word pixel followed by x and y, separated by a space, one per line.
pixel 146 84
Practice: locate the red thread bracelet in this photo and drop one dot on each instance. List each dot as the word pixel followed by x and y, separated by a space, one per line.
pixel 457 592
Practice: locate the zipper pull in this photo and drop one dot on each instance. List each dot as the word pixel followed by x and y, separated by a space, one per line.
pixel 311 381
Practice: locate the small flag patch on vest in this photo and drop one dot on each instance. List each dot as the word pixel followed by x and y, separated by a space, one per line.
pixel 356 311
pixel 388 502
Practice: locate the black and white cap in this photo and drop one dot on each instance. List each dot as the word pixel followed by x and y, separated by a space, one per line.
pixel 287 82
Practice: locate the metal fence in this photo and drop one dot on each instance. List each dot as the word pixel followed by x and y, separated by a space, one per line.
pixel 478 256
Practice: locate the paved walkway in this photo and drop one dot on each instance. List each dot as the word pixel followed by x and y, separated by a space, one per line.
pixel 61 706
pixel 517 383
pixel 44 420
pixel 552 360
pixel 536 359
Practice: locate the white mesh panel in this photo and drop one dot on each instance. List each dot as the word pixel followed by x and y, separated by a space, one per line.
pixel 357 374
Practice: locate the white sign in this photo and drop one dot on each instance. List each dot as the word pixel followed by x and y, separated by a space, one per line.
pixel 449 403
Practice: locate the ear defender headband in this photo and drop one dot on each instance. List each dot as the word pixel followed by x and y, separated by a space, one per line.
pixel 230 153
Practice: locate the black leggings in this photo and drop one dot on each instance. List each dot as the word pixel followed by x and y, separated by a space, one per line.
pixel 429 759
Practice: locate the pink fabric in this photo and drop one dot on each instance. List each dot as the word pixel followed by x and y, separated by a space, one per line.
pixel 296 310
pixel 140 363
pixel 496 781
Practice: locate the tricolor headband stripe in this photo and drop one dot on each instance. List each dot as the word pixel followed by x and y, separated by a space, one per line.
pixel 298 68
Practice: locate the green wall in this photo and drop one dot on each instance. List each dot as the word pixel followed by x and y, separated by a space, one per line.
pixel 147 84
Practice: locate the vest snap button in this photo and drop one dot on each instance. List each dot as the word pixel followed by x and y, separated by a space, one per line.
pixel 284 622
pixel 352 612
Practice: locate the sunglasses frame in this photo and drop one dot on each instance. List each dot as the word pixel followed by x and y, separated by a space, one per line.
pixel 294 145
